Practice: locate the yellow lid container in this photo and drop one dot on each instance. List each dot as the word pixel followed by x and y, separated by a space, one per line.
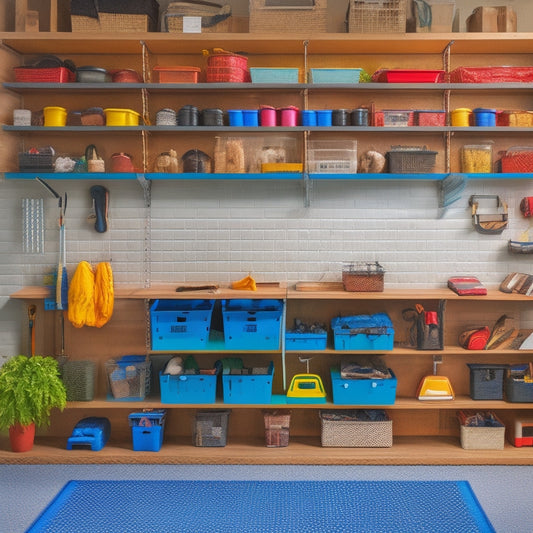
pixel 121 117
pixel 461 117
pixel 55 116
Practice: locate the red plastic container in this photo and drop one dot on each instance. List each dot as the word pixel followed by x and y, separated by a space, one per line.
pixel 268 116
pixel 44 75
pixel 226 74
pixel 178 74
pixel 289 116
pixel 430 118
pixel 398 75
pixel 227 60
pixel 491 74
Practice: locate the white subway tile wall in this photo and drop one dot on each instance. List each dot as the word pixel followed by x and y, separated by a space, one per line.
pixel 219 231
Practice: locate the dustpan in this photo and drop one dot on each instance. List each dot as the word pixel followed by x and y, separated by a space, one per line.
pixel 435 387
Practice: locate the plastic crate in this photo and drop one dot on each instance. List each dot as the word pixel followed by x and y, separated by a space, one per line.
pixel 363 332
pixel 226 74
pixel 36 162
pixel 305 341
pixel 376 16
pixel 188 388
pixel 429 117
pixel 178 74
pixel 274 75
pixel 345 429
pixel 517 160
pixel 397 118
pixel 249 388
pixel 180 324
pixel 332 157
pixel 128 378
pixel 44 75
pixel 363 391
pixel 491 74
pixel 411 161
pixel 334 75
pixel 399 75
pixel 486 381
pixel 211 428
pixel 252 324
pixel 518 390
pixel 147 429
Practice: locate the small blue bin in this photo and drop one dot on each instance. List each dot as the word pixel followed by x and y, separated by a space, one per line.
pixel 308 117
pixel 363 391
pixel 235 117
pixel 252 324
pixel 250 117
pixel 147 429
pixel 485 117
pixel 188 388
pixel 306 341
pixel 363 332
pixel 324 117
pixel 180 324
pixel 248 389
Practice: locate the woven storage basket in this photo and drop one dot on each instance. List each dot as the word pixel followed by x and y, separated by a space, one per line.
pixel 403 160
pixel 78 377
pixel 376 16
pixel 111 22
pixel 355 433
pixel 213 19
pixel 480 438
pixel 363 277
pixel 288 18
pixel 277 428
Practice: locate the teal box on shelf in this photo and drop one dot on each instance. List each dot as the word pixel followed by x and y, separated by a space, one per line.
pixel 334 75
pixel 305 341
pixel 252 324
pixel 188 388
pixel 363 332
pixel 274 75
pixel 248 388
pixel 147 429
pixel 363 391
pixel 180 324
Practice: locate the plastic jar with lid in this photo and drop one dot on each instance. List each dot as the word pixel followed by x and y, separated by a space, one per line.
pixel 476 158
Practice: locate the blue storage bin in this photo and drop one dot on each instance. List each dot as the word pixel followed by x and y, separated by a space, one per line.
pixel 274 75
pixel 363 332
pixel 235 117
pixel 250 117
pixel 306 341
pixel 324 117
pixel 249 388
pixel 128 378
pixel 188 388
pixel 308 117
pixel 180 324
pixel 335 75
pixel 363 391
pixel 147 429
pixel 252 324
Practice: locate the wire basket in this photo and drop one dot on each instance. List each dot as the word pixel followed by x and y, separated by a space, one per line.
pixel 411 160
pixel 311 17
pixel 381 16
pixel 363 277
pixel 78 377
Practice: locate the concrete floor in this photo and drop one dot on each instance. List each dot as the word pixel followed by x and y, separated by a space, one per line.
pixel 504 492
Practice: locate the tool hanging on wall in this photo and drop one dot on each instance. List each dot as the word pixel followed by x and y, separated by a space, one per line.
pixel 32 225
pixel 100 199
pixel 489 213
pixel 32 311
pixel 62 277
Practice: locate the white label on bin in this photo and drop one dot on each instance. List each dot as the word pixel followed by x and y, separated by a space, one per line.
pixel 192 24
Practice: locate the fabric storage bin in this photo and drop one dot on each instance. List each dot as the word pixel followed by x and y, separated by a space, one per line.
pixel 214 18
pixel 147 429
pixel 200 387
pixel 211 428
pixel 277 427
pixel 21 117
pixel 252 324
pixel 78 378
pixel 481 437
pixel 486 381
pixel 251 388
pixel 128 378
pixel 363 391
pixel 114 16
pixel 355 428
pixel 376 16
pixel 363 332
pixel 180 324
pixel 307 16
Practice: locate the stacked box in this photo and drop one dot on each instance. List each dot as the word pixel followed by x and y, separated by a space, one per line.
pixel 363 332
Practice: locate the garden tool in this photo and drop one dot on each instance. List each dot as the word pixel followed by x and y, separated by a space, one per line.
pixel 435 387
pixel 100 197
pixel 32 311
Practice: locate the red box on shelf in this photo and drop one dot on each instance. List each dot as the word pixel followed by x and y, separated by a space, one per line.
pixel 491 74
pixel 398 75
pixel 428 117
pixel 178 74
pixel 44 75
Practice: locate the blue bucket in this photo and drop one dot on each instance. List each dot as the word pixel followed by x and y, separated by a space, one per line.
pixel 485 117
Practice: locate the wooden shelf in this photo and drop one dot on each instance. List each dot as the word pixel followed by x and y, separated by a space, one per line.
pixel 301 450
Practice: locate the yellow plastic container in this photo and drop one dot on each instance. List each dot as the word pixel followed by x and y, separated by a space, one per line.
pixel 461 117
pixel 121 117
pixel 55 116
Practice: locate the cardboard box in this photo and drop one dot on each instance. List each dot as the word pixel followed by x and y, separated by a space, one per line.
pixel 492 19
pixel 443 17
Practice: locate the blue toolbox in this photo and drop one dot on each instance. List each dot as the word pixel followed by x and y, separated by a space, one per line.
pixel 363 391
pixel 147 429
pixel 252 324
pixel 90 433
pixel 200 387
pixel 253 387
pixel 180 324
pixel 363 332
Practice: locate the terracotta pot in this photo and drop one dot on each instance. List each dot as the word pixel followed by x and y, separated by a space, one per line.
pixel 22 437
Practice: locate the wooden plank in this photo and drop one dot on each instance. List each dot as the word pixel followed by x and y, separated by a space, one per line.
pixel 21 10
pixel 310 286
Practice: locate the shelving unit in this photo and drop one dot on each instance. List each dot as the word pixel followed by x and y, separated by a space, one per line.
pixel 424 432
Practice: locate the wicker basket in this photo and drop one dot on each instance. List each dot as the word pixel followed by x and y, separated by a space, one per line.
pixel 363 277
pixel 288 18
pixel 376 16
pixel 111 22
pixel 214 19
pixel 337 430
pixel 411 160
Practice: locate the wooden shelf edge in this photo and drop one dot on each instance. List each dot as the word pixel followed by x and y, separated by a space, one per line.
pixel 300 451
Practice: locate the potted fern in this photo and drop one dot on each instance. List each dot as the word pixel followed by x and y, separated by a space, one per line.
pixel 30 387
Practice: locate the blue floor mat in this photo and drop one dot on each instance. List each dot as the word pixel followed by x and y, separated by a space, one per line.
pixel 264 507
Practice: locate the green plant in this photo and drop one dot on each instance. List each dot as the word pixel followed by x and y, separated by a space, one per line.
pixel 29 388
